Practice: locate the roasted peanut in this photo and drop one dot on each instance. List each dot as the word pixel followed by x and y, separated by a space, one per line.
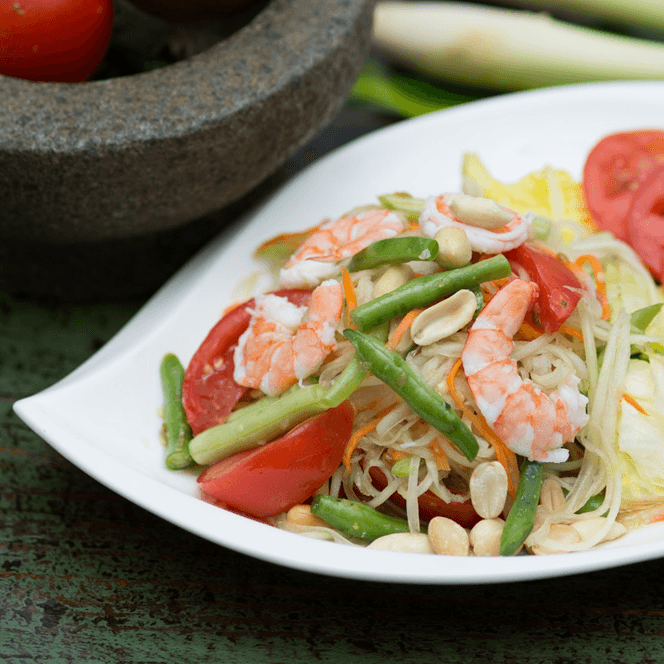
pixel 454 248
pixel 404 542
pixel 488 489
pixel 444 318
pixel 485 537
pixel 447 537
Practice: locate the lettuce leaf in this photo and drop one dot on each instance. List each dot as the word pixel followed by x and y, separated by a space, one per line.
pixel 641 436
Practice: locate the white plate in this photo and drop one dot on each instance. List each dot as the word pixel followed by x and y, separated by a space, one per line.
pixel 103 417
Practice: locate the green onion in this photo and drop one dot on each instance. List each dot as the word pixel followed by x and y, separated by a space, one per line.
pixel 508 49
pixel 401 95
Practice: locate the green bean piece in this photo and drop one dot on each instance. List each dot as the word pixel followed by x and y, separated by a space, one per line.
pixel 593 503
pixel 404 203
pixel 521 518
pixel 352 375
pixel 402 467
pixel 541 226
pixel 423 291
pixel 394 251
pixel 641 318
pixel 271 417
pixel 356 519
pixel 477 291
pixel 178 431
pixel 258 423
pixel 393 370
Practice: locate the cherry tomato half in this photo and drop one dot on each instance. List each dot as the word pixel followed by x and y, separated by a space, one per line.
pixel 430 504
pixel 209 391
pixel 614 170
pixel 272 478
pixel 645 223
pixel 559 289
pixel 53 40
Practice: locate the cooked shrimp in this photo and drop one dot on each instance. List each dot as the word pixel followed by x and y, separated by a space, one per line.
pixel 530 422
pixel 280 347
pixel 318 256
pixel 436 214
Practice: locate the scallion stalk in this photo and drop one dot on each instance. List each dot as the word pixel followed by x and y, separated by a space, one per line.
pixel 508 49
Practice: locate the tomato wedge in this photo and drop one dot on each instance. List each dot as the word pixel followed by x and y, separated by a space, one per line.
pixel 560 290
pixel 272 478
pixel 430 504
pixel 614 171
pixel 209 391
pixel 645 223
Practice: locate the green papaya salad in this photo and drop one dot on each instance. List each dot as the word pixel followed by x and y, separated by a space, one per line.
pixel 468 373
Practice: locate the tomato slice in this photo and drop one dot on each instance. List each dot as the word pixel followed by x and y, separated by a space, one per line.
pixel 209 391
pixel 272 478
pixel 430 504
pixel 645 223
pixel 614 170
pixel 560 290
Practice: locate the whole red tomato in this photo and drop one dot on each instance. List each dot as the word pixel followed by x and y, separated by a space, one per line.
pixel 53 40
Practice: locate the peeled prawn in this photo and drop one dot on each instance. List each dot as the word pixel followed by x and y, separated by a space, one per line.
pixel 318 256
pixel 531 422
pixel 285 343
pixel 436 214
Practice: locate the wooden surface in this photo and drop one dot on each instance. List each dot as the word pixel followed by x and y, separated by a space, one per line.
pixel 87 576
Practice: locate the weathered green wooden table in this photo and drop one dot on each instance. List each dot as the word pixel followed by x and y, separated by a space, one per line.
pixel 87 577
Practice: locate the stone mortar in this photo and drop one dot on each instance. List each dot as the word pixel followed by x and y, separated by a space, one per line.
pixel 122 159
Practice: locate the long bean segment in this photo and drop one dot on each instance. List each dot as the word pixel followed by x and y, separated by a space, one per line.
pixel 258 423
pixel 178 431
pixel 394 251
pixel 521 518
pixel 404 203
pixel 422 291
pixel 395 372
pixel 270 417
pixel 356 519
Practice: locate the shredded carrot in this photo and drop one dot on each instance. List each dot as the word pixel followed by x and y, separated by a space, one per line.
pixel 414 227
pixel 361 433
pixel 230 307
pixel 571 331
pixel 291 240
pixel 349 294
pixel 396 455
pixel 499 283
pixel 600 279
pixel 633 402
pixel 405 323
pixel 504 455
pixel 440 455
pixel 529 332
pixel 369 406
